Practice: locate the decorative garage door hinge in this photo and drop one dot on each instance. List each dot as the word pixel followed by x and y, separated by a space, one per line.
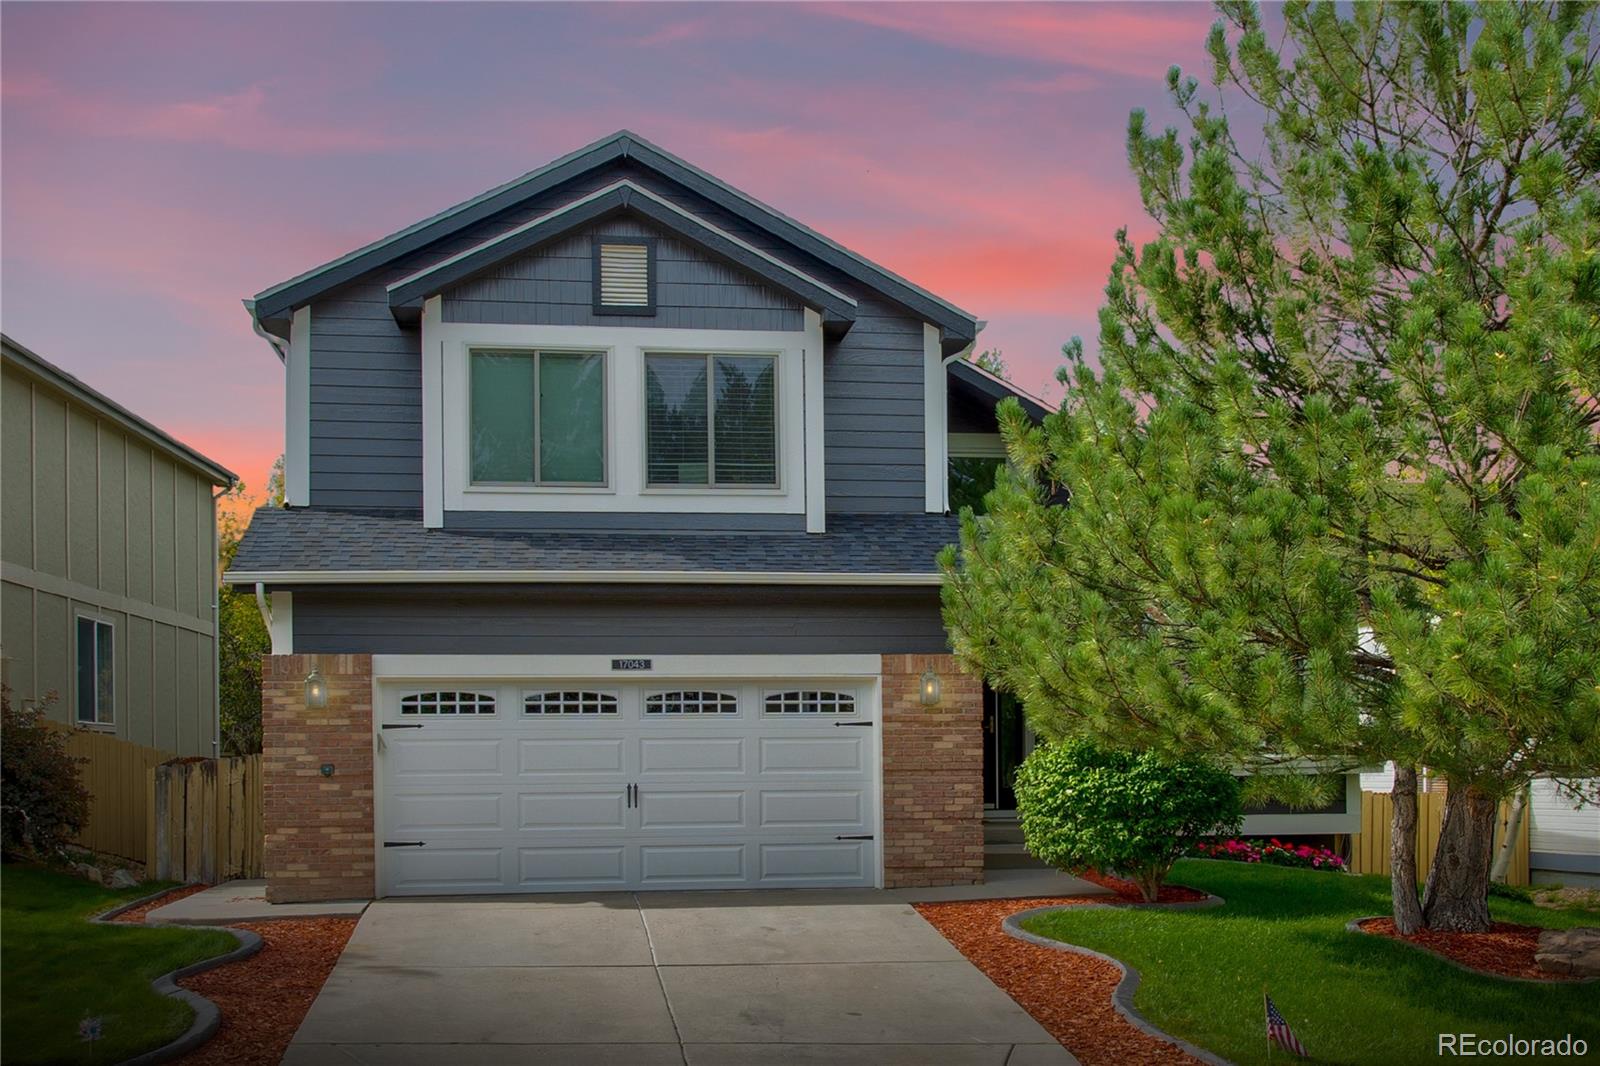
pixel 863 725
pixel 402 725
pixel 862 836
pixel 405 843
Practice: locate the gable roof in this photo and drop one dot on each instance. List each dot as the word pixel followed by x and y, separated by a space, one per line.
pixel 959 326
pixel 994 388
pixel 43 370
pixel 407 294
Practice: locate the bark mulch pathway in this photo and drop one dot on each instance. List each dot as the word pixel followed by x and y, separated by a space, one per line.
pixel 1506 949
pixel 1067 993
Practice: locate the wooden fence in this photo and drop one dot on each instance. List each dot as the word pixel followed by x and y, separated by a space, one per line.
pixel 1369 849
pixel 116 774
pixel 205 819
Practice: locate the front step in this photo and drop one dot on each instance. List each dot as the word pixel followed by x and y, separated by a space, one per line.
pixel 1003 845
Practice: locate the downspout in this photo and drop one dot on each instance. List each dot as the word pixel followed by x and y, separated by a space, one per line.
pixel 261 605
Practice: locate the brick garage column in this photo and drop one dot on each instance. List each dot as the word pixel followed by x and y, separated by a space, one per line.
pixel 319 829
pixel 932 775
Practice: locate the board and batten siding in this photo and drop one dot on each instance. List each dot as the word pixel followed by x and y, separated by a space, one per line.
pixel 98 522
pixel 366 378
pixel 618 620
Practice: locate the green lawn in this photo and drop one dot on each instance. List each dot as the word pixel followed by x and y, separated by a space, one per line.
pixel 1350 997
pixel 58 969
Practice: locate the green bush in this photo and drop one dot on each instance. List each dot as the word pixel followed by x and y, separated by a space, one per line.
pixel 43 804
pixel 1133 814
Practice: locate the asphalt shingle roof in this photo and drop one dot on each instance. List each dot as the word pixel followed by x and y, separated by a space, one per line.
pixel 310 540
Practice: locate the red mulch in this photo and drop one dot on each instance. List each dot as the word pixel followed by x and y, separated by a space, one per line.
pixel 138 913
pixel 264 998
pixel 1506 949
pixel 1129 891
pixel 1067 993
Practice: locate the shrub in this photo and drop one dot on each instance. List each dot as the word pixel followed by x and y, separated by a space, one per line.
pixel 1274 852
pixel 1133 814
pixel 43 804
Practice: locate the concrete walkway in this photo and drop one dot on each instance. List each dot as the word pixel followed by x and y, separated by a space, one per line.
pixel 246 901
pixel 682 978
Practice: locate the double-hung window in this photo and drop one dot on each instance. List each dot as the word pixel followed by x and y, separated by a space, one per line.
pixel 96 691
pixel 711 420
pixel 538 418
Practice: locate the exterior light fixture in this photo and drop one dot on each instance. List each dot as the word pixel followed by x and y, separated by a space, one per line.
pixel 930 688
pixel 316 690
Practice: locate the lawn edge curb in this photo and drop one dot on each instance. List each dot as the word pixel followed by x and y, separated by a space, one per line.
pixel 207 1016
pixel 1354 926
pixel 1122 995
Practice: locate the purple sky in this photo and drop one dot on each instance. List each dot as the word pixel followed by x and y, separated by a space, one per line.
pixel 160 162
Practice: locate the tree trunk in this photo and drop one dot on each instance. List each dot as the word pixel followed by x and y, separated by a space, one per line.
pixel 1456 899
pixel 1508 843
pixel 1403 851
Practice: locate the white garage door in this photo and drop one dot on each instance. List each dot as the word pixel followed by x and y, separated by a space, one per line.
pixel 594 785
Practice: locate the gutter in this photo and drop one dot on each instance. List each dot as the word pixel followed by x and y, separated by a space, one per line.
pixel 262 578
pixel 280 347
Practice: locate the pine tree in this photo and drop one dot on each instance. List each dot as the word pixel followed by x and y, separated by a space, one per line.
pixel 1335 486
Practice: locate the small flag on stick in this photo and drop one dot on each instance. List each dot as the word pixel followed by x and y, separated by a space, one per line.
pixel 1278 1030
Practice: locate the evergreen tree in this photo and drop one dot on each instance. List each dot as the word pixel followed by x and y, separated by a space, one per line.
pixel 1335 488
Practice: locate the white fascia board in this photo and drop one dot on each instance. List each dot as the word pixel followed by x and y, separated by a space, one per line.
pixel 640 191
pixel 936 483
pixel 401 667
pixel 297 411
pixel 815 454
pixel 568 577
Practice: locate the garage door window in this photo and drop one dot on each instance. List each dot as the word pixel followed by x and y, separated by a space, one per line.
pixel 569 702
pixel 691 703
pixel 447 703
pixel 810 701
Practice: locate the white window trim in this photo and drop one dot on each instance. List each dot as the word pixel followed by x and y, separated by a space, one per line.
pixel 445 418
pixel 297 398
pixel 77 650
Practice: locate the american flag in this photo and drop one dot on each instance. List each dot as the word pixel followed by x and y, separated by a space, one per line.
pixel 1278 1030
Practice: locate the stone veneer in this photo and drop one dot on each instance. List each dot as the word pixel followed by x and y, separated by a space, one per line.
pixel 319 830
pixel 932 775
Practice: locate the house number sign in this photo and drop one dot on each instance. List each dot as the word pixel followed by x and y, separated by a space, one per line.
pixel 631 664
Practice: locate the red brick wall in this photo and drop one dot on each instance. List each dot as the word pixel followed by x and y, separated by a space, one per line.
pixel 319 829
pixel 932 775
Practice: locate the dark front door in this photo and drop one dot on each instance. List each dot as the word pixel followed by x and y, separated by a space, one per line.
pixel 1002 748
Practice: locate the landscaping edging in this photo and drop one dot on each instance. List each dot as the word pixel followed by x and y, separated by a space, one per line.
pixel 207 1018
pixel 1122 995
pixel 1354 926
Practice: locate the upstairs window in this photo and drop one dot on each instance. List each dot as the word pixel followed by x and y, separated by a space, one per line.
pixel 624 277
pixel 538 418
pixel 96 691
pixel 711 420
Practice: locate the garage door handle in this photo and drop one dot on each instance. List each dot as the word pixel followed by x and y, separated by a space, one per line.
pixel 401 725
pixel 863 725
pixel 405 843
pixel 862 836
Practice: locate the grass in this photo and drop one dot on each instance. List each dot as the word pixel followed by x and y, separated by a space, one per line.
pixel 1350 997
pixel 60 969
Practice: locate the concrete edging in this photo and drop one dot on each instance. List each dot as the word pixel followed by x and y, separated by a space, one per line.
pixel 1354 926
pixel 1122 995
pixel 207 1018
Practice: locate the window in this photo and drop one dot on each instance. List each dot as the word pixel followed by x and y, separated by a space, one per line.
pixel 538 418
pixel 569 702
pixel 624 272
pixel 96 691
pixel 971 479
pixel 810 702
pixel 711 420
pixel 447 703
pixel 692 703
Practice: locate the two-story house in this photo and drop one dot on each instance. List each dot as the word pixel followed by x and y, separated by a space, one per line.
pixel 614 497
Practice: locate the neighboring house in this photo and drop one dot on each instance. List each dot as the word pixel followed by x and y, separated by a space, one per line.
pixel 614 497
pixel 108 562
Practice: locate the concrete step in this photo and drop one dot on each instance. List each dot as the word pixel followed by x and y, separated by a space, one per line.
pixel 1002 833
pixel 1010 860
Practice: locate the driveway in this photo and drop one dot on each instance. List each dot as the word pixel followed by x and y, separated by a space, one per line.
pixel 681 978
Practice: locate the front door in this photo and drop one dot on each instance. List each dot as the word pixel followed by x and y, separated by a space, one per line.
pixel 1004 745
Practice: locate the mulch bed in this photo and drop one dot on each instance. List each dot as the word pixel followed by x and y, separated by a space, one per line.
pixel 1506 949
pixel 264 998
pixel 1067 993
pixel 1127 890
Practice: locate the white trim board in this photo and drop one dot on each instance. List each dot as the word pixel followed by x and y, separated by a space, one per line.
pixel 398 667
pixel 568 577
pixel 297 401
pixel 936 480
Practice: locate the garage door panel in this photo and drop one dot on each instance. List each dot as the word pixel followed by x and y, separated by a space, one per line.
pixel 699 755
pixel 435 756
pixel 684 865
pixel 660 810
pixel 813 755
pixel 412 812
pixel 841 861
pixel 573 811
pixel 573 866
pixel 442 869
pixel 820 809
pixel 571 755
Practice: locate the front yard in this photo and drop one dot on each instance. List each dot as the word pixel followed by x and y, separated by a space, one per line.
pixel 1350 998
pixel 59 969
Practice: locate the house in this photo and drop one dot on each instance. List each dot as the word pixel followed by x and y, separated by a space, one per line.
pixel 609 556
pixel 108 562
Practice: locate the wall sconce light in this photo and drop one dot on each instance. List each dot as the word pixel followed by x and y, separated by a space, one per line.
pixel 316 690
pixel 930 688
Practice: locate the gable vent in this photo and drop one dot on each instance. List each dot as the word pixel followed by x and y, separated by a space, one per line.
pixel 624 276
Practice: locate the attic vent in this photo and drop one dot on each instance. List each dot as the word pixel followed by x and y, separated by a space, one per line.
pixel 623 271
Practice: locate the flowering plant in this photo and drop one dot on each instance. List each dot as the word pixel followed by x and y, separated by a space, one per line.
pixel 1274 852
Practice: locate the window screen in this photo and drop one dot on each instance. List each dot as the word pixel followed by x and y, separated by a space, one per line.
pixel 538 418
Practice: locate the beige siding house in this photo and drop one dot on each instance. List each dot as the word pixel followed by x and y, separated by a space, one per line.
pixel 108 562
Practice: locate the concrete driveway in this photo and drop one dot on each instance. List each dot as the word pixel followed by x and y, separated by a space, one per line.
pixel 696 978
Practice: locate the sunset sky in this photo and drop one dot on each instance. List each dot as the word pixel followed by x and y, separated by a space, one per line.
pixel 159 163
